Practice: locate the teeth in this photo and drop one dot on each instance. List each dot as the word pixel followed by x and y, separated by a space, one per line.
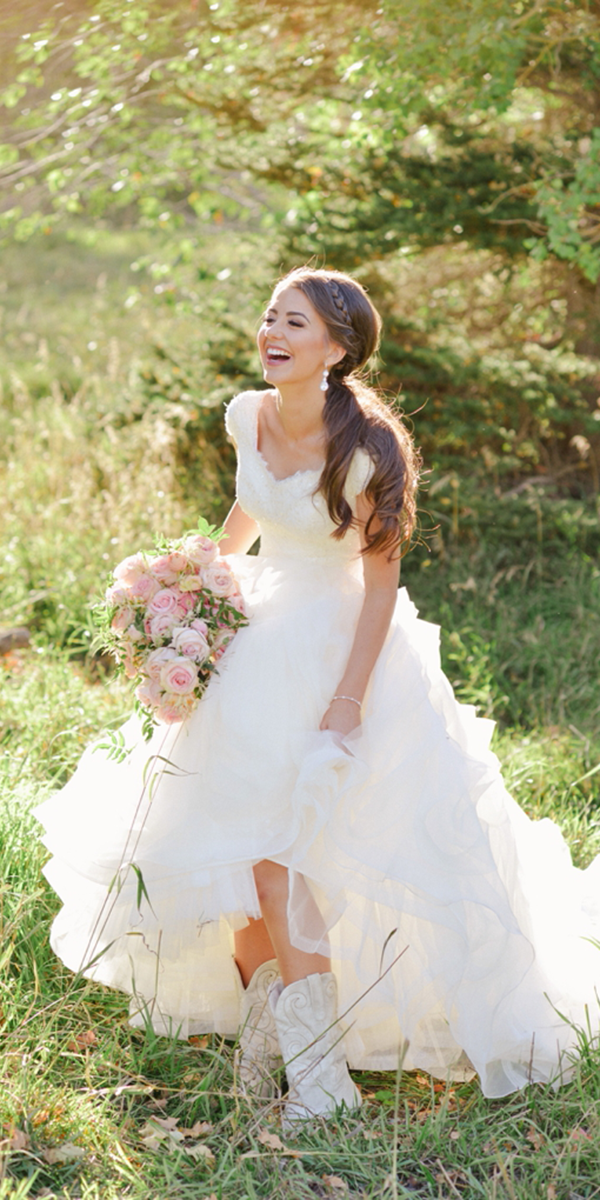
pixel 277 353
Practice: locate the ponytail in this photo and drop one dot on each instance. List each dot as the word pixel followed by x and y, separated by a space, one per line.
pixel 356 418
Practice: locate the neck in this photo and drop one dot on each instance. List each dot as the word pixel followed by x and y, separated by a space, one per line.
pixel 300 408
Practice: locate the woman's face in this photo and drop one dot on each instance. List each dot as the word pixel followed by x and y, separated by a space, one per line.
pixel 293 341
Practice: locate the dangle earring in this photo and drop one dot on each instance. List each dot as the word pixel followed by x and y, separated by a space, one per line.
pixel 324 384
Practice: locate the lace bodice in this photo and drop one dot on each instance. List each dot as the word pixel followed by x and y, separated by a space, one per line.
pixel 293 520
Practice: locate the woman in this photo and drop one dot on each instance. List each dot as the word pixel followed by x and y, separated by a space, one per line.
pixel 328 814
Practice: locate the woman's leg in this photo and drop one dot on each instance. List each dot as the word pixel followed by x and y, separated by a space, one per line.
pixel 304 1007
pixel 298 1015
pixel 268 938
pixel 253 947
pixel 272 885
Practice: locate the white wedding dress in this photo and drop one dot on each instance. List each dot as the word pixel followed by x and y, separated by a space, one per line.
pixel 404 833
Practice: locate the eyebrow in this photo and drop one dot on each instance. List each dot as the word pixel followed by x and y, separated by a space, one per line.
pixel 290 313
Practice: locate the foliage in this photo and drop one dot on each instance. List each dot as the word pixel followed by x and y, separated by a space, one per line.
pixel 514 582
pixel 500 417
pixel 177 113
pixel 480 127
pixel 450 156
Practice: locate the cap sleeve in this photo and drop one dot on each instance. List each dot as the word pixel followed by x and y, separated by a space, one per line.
pixel 359 474
pixel 240 416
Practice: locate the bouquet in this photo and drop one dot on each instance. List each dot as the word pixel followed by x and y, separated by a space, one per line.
pixel 167 617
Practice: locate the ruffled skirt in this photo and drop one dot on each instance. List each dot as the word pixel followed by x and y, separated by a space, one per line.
pixel 459 930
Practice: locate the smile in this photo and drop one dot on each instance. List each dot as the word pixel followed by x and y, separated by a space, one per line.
pixel 274 355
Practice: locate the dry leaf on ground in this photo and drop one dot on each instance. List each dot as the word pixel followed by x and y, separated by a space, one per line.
pixel 68 1152
pixel 273 1142
pixel 18 1140
pixel 578 1136
pixel 334 1181
pixel 198 1129
pixel 82 1041
pixel 167 1123
pixel 200 1151
pixel 270 1139
pixel 535 1137
pixel 157 1129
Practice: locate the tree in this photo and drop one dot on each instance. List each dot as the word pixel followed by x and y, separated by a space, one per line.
pixel 171 111
pixel 358 132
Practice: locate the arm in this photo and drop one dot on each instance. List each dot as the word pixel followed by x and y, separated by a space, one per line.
pixel 381 590
pixel 241 532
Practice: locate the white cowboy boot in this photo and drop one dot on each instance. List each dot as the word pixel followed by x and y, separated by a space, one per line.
pixel 259 1054
pixel 311 1042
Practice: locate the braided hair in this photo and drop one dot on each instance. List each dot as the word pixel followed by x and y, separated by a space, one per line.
pixel 355 416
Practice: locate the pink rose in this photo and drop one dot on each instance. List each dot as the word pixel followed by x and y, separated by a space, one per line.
pixel 144 588
pixel 167 567
pixel 168 712
pixel 218 579
pixel 179 676
pixel 175 708
pixel 133 634
pixel 200 626
pixel 129 666
pixel 129 570
pixel 200 550
pixel 117 595
pixel 186 603
pixel 191 583
pixel 238 602
pixel 156 661
pixel 190 643
pixel 221 642
pixel 149 692
pixel 165 601
pixel 122 619
pixel 161 626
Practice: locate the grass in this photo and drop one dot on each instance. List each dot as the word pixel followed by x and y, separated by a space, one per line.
pixel 513 581
pixel 80 1086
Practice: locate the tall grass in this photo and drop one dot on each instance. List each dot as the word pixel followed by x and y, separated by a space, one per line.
pixel 98 447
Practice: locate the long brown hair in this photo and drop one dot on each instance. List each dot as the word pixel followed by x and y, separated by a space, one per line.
pixel 355 416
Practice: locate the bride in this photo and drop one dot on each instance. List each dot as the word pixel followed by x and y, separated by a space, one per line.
pixel 327 835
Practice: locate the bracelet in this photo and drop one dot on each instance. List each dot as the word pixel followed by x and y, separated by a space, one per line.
pixel 352 698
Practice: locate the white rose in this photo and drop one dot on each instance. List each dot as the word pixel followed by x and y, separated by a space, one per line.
pixel 190 643
pixel 218 578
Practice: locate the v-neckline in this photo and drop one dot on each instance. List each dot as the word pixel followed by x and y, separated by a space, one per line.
pixel 284 478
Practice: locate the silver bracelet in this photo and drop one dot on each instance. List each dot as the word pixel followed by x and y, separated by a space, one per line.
pixel 352 698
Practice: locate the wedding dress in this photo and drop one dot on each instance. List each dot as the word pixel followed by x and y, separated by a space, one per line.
pixel 460 933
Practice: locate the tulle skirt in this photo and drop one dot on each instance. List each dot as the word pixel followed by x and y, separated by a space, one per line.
pixel 461 935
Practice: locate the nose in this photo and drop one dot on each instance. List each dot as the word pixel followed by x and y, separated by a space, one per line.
pixel 273 329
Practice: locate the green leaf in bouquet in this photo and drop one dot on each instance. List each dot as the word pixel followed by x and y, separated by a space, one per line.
pixel 146 718
pixel 162 544
pixel 114 745
pixel 215 532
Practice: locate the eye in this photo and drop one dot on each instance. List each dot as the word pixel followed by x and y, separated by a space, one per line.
pixel 297 324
